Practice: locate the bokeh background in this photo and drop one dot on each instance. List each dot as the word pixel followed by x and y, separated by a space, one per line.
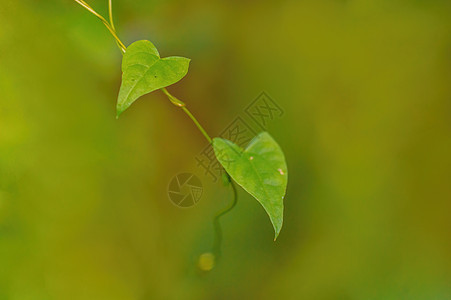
pixel 366 90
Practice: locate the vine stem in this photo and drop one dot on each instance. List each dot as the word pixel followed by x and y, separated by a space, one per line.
pixel 182 105
pixel 174 100
pixel 109 26
pixel 110 13
pixel 185 109
pixel 217 226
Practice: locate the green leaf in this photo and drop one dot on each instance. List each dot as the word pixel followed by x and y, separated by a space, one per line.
pixel 260 169
pixel 143 71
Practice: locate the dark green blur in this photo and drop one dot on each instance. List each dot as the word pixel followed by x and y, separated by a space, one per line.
pixel 366 90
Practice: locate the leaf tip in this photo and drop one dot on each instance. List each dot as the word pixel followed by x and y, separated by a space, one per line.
pixel 118 113
pixel 120 108
pixel 277 227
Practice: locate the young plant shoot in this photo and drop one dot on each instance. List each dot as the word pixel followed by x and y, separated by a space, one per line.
pixel 260 169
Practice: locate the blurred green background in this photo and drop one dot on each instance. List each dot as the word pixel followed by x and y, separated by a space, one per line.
pixel 366 89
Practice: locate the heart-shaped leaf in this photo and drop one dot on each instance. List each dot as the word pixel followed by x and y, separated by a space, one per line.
pixel 143 71
pixel 260 169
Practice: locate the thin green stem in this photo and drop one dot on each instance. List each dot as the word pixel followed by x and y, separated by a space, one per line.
pixel 110 13
pixel 217 226
pixel 197 124
pixel 105 22
pixel 173 99
pixel 182 105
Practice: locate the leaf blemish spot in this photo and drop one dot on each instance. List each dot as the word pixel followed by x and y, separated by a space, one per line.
pixel 280 171
pixel 251 158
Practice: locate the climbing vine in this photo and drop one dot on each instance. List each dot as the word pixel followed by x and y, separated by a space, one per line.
pixel 260 168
